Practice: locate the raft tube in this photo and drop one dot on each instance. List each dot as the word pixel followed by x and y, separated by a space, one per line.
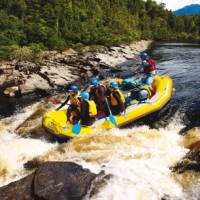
pixel 56 122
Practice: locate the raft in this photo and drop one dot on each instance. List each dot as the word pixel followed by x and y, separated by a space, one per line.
pixel 56 122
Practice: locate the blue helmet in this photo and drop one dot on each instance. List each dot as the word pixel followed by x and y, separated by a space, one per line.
pixel 73 88
pixel 114 84
pixel 143 95
pixel 85 95
pixel 145 63
pixel 144 55
pixel 147 80
pixel 94 82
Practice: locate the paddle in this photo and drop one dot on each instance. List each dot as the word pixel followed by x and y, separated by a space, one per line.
pixel 111 117
pixel 53 101
pixel 76 129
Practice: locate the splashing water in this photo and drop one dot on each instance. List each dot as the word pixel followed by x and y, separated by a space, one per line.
pixel 139 158
pixel 14 150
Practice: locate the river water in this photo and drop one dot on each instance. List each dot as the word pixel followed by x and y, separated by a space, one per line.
pixel 138 158
pixel 181 61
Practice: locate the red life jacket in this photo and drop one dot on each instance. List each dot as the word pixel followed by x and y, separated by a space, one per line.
pixel 152 65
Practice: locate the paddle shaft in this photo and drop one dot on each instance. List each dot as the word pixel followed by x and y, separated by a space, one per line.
pixel 110 112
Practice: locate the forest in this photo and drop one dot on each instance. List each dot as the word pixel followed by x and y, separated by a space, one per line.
pixel 59 24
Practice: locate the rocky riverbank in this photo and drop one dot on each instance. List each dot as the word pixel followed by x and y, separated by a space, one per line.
pixel 59 69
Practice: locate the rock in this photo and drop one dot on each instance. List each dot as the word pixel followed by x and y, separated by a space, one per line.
pixel 190 162
pixel 19 190
pixel 166 197
pixel 34 83
pixel 58 181
pixel 51 181
pixel 61 68
pixel 31 127
pixel 9 81
pixel 11 91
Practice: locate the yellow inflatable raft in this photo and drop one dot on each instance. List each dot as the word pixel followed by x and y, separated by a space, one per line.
pixel 56 122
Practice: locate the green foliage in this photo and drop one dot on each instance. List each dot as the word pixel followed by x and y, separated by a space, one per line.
pixel 7 51
pixel 22 53
pixel 36 52
pixel 32 53
pixel 57 24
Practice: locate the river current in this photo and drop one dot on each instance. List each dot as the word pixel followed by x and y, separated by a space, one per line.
pixel 139 157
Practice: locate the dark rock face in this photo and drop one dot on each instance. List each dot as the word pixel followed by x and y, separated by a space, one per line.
pixel 20 190
pixel 191 162
pixel 51 181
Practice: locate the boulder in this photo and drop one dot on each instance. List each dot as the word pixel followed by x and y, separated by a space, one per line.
pixel 19 190
pixel 51 181
pixel 190 162
pixel 12 91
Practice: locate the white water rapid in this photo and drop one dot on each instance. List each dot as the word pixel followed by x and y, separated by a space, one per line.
pixel 139 159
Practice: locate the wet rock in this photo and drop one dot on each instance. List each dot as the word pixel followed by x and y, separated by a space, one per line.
pixel 20 190
pixel 12 91
pixel 166 197
pixel 99 183
pixel 31 126
pixel 62 181
pixel 32 164
pixel 191 162
pixel 51 181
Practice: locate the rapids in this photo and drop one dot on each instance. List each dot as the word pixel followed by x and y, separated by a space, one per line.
pixel 137 158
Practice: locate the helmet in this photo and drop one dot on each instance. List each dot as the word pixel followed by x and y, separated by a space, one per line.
pixel 94 82
pixel 114 84
pixel 145 63
pixel 85 95
pixel 142 95
pixel 73 88
pixel 143 55
pixel 147 80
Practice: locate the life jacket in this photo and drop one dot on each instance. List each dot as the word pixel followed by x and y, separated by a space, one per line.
pixel 92 108
pixel 114 100
pixel 74 99
pixel 152 65
pixel 151 61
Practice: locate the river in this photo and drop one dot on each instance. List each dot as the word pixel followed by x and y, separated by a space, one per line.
pixel 181 61
pixel 138 158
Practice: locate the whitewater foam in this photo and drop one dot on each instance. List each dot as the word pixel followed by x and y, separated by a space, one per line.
pixel 139 158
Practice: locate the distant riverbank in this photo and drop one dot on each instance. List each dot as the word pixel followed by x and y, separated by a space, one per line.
pixel 19 77
pixel 23 82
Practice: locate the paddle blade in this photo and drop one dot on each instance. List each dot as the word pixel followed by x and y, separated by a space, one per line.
pixel 53 101
pixel 76 129
pixel 112 119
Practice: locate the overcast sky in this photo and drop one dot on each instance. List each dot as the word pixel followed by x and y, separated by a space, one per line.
pixel 176 4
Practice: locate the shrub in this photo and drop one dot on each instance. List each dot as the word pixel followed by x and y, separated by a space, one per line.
pixel 6 52
pixel 32 53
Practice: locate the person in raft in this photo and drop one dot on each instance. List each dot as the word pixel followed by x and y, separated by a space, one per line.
pixel 148 64
pixel 88 109
pixel 146 90
pixel 117 99
pixel 98 95
pixel 73 109
pixel 143 92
